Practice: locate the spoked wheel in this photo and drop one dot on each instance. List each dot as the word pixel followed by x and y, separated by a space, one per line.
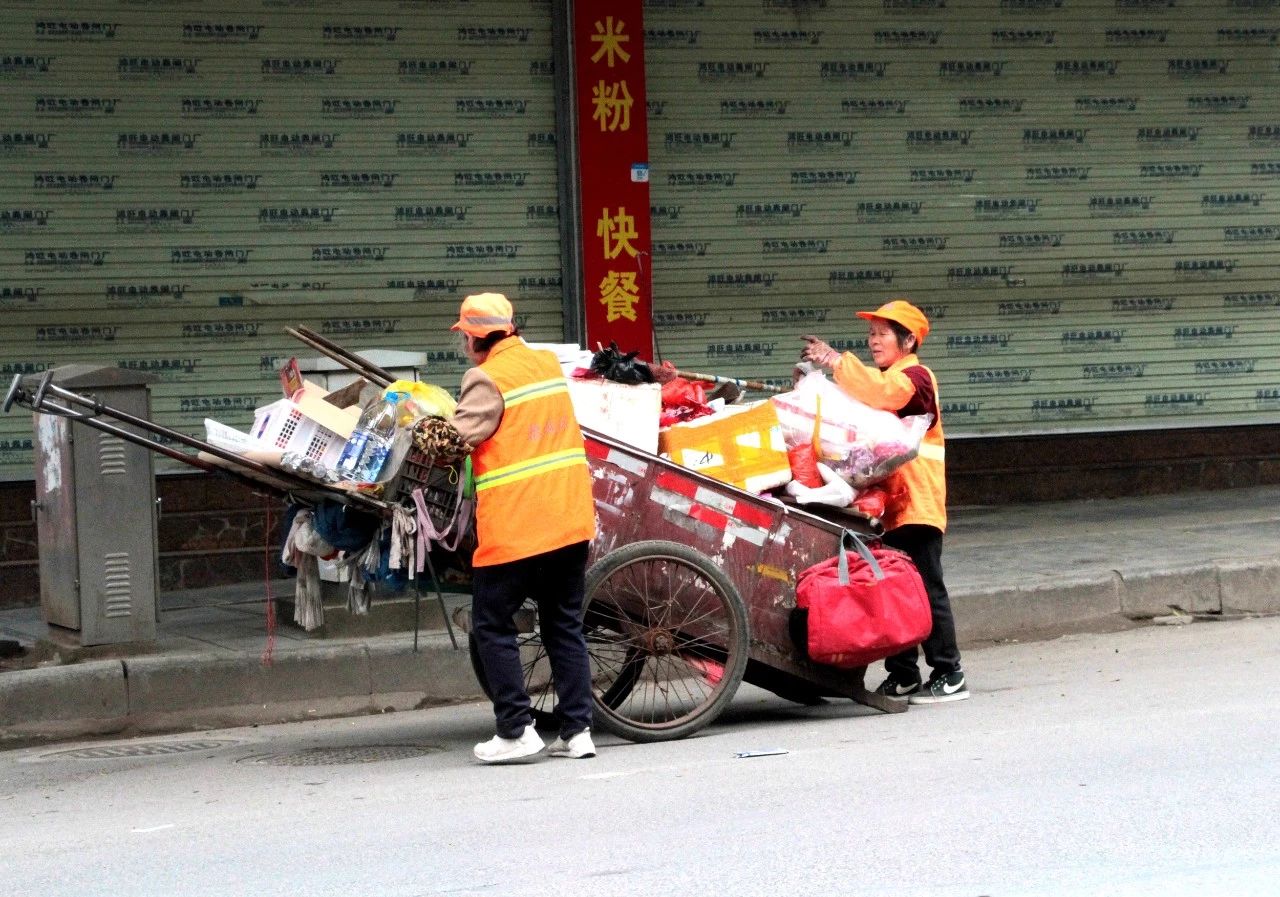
pixel 536 664
pixel 667 635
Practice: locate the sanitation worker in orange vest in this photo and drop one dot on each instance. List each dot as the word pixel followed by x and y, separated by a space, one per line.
pixel 917 514
pixel 534 521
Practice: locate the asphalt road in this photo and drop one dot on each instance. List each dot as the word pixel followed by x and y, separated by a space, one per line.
pixel 1143 762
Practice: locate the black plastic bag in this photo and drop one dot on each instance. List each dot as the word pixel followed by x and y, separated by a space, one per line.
pixel 611 364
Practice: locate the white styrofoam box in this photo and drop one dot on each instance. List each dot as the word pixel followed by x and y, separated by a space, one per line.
pixel 282 425
pixel 332 375
pixel 627 413
pixel 570 355
pixel 228 438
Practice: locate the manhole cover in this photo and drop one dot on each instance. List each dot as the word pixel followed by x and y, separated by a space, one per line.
pixel 143 749
pixel 373 753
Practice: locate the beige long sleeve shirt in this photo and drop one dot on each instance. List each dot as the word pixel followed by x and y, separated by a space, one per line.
pixel 480 408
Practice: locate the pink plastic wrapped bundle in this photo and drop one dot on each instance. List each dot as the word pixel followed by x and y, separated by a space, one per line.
pixel 862 444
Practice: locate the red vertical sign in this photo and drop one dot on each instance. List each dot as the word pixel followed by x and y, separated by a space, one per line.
pixel 613 172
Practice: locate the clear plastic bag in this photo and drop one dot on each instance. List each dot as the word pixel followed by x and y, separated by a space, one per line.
pixel 862 444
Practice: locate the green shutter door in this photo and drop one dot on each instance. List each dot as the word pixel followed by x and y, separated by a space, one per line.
pixel 1085 198
pixel 181 181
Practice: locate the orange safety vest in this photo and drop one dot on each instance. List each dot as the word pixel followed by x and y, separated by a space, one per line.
pixel 533 486
pixel 918 489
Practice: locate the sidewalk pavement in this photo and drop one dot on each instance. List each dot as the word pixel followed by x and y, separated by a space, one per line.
pixel 1030 571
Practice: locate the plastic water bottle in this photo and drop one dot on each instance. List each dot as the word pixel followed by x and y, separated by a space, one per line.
pixel 366 451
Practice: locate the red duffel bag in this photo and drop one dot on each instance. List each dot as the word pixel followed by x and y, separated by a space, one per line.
pixel 863 605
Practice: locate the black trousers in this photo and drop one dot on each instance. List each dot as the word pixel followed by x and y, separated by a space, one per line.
pixel 555 580
pixel 923 544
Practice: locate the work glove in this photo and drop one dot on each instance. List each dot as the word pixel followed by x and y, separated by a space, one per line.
pixel 834 492
pixel 819 352
pixel 440 441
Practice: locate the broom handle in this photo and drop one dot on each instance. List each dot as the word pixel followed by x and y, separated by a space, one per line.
pixel 715 378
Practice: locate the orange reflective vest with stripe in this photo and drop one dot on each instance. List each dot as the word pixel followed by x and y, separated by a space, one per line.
pixel 918 489
pixel 533 486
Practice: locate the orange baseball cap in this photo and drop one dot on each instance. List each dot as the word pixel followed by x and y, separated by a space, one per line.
pixel 484 313
pixel 900 311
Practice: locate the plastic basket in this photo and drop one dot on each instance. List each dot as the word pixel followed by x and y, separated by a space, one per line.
pixel 283 426
pixel 415 471
pixel 439 485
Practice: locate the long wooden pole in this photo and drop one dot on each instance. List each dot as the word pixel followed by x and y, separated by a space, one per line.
pixel 345 357
pixel 716 378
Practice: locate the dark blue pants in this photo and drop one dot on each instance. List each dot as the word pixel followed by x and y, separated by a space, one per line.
pixel 555 580
pixel 923 544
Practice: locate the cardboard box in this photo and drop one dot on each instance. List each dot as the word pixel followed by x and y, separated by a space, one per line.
pixel 310 400
pixel 741 446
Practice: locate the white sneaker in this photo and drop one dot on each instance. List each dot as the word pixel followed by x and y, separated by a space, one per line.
pixel 578 747
pixel 509 750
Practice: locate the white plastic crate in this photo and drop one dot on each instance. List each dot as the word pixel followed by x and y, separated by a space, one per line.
pixel 283 426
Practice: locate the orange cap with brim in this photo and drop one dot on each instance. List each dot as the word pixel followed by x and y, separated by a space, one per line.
pixel 485 313
pixel 900 311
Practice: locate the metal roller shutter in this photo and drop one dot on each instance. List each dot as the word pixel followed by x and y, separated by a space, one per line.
pixel 1084 196
pixel 181 181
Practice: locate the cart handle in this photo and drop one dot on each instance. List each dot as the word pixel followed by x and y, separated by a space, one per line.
pixel 15 391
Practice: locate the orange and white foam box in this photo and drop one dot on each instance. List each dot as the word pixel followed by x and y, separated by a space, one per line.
pixel 741 446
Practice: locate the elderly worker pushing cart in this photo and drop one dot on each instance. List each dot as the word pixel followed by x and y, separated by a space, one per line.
pixel 535 520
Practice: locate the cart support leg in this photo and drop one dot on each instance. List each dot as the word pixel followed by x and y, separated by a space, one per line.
pixel 444 611
pixel 861 695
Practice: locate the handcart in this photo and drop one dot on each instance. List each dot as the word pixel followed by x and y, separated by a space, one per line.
pixel 690 587
pixel 690 591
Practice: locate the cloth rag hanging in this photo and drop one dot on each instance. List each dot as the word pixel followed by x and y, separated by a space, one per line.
pixel 404 542
pixel 303 548
pixel 451 534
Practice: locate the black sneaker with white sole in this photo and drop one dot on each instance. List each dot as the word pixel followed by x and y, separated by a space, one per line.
pixel 897 688
pixel 941 689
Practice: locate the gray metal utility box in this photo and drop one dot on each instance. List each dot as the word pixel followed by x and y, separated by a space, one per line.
pixel 96 516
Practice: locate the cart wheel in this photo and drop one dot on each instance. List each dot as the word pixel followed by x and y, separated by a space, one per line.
pixel 667 634
pixel 537 676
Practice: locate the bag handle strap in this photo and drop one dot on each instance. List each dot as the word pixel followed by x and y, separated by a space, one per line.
pixel 852 540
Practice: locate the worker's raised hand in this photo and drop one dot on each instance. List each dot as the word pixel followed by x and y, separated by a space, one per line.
pixel 819 352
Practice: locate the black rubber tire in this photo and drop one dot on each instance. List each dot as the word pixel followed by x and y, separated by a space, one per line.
pixel 650 641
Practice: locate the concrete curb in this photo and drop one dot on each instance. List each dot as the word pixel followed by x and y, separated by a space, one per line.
pixel 63 701
pixel 1035 609
pixel 1249 587
pixel 197 691
pixel 1192 589
pixel 1221 587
